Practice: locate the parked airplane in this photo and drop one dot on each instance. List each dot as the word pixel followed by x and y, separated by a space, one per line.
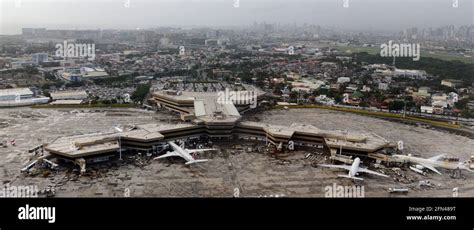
pixel 283 50
pixel 354 170
pixel 432 163
pixel 184 153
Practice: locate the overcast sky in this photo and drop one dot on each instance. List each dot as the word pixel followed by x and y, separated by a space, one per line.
pixel 113 14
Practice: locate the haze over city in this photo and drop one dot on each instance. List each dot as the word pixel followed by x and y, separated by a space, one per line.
pixel 236 99
pixel 364 15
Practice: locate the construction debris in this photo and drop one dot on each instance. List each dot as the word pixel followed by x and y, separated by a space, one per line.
pixel 29 166
pixel 49 191
pixel 424 183
pixel 402 177
pixel 82 164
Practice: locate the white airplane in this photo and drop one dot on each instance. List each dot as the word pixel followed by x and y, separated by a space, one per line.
pixel 432 163
pixel 284 50
pixel 354 170
pixel 184 153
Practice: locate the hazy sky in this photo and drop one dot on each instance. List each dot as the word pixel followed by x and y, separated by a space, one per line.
pixel 105 14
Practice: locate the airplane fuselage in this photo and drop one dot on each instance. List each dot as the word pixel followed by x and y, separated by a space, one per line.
pixel 182 152
pixel 423 161
pixel 354 167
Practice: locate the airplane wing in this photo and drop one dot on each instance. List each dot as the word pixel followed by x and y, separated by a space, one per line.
pixel 196 161
pixel 346 167
pixel 430 167
pixel 364 170
pixel 168 154
pixel 198 150
pixel 436 158
pixel 351 177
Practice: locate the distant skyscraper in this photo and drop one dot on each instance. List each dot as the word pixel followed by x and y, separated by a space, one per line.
pixel 39 57
pixel 33 31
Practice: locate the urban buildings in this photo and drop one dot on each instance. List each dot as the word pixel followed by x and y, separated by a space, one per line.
pixel 19 97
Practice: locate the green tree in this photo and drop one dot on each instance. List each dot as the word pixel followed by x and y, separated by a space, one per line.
pixel 140 93
pixel 316 92
pixel 462 104
pixel 396 105
pixel 46 93
pixel 306 95
pixel 293 95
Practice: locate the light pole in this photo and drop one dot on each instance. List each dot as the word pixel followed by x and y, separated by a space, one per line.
pixel 120 147
pixel 404 107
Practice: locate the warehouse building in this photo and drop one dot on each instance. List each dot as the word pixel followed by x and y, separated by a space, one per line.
pixel 20 97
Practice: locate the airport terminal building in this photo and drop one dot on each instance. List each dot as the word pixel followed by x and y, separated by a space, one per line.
pixel 209 119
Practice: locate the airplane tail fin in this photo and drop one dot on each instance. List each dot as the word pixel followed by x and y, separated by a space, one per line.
pixel 465 167
pixel 351 177
pixel 196 161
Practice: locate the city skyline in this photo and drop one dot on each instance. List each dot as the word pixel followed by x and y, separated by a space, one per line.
pixel 144 14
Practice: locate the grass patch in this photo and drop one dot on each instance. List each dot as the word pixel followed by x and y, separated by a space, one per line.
pixel 83 106
pixel 378 114
pixel 376 51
